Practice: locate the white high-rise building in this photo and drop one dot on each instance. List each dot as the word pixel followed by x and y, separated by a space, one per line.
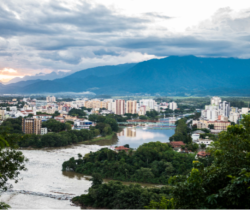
pixel 215 101
pixel 173 105
pixel 149 103
pixel 225 108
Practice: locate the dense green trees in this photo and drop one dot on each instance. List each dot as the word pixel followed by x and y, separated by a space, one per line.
pixel 77 112
pixel 225 183
pixel 182 132
pixel 115 195
pixel 153 162
pixel 55 126
pixel 14 125
pixel 56 139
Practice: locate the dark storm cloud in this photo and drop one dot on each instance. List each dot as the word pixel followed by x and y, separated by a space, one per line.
pixel 54 19
pixel 153 44
pixel 58 43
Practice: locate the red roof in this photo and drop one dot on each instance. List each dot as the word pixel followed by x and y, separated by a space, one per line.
pixel 176 143
pixel 121 148
pixel 203 154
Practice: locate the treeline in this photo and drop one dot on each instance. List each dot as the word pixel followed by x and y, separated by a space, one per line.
pixel 182 132
pixel 14 125
pixel 60 133
pixel 115 195
pixel 57 139
pixel 153 162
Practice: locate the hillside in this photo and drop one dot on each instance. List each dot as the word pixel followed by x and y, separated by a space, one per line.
pixel 173 75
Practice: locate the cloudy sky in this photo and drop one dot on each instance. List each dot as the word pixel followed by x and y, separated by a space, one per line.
pixel 42 36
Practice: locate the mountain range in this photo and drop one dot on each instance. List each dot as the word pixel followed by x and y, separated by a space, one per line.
pixel 174 75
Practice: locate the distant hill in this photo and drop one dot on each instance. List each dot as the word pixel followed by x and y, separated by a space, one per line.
pixel 50 76
pixel 174 75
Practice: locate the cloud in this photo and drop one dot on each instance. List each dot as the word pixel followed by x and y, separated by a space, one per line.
pixel 157 15
pixel 45 36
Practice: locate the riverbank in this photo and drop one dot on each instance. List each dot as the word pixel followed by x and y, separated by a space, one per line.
pixel 108 137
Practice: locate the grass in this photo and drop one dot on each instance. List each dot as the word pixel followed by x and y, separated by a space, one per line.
pixel 108 137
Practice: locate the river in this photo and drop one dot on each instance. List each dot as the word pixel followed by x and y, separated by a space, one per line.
pixel 44 175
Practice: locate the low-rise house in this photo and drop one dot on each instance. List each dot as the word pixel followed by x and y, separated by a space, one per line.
pixel 202 154
pixel 206 141
pixel 44 131
pixel 43 117
pixel 82 124
pixel 177 144
pixel 120 148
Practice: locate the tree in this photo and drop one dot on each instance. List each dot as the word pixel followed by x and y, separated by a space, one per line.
pixel 142 117
pixel 226 182
pixel 12 162
pixel 113 124
pixel 96 179
pixel 211 126
pixel 126 145
pixel 203 146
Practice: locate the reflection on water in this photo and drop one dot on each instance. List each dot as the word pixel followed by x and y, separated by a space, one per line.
pixel 135 137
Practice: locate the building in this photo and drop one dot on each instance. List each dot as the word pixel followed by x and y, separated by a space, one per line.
pixel 119 107
pixel 82 124
pixel 131 107
pixel 218 124
pixel 202 154
pixel 2 112
pixel 234 117
pixel 173 105
pixel 206 141
pixel 215 101
pixel 142 110
pixel 42 117
pixel 120 148
pixel 44 131
pixel 149 103
pixel 31 126
pixel 225 108
pixel 177 144
pixel 51 99
pixel 40 103
pixel 195 136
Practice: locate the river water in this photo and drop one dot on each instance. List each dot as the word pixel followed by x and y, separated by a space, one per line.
pixel 44 173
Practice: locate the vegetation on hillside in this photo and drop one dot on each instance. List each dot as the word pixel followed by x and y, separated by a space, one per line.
pixel 153 162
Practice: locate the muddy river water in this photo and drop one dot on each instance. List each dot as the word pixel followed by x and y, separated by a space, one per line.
pixel 46 182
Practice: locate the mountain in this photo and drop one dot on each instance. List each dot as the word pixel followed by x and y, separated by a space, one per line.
pixel 174 75
pixel 23 86
pixel 40 76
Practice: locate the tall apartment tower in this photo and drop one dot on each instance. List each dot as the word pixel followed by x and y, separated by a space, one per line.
pixel 173 105
pixel 51 99
pixel 31 126
pixel 225 108
pixel 215 101
pixel 150 103
pixel 131 107
pixel 120 107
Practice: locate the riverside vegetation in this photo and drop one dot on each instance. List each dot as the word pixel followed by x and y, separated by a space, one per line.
pixel 153 162
pixel 223 184
pixel 60 133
